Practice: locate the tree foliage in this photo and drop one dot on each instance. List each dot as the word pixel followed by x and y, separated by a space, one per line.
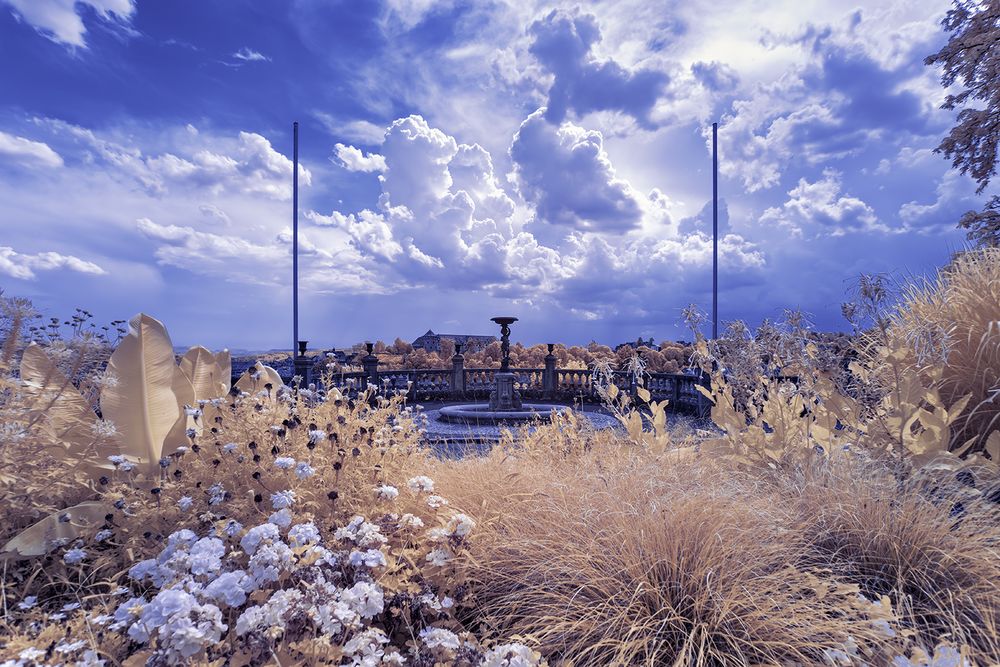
pixel 972 58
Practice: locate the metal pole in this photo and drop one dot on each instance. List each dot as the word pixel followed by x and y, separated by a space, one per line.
pixel 295 239
pixel 715 230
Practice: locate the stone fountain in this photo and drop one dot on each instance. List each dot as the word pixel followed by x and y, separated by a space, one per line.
pixel 505 405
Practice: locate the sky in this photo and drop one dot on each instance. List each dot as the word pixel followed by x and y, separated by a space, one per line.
pixel 462 160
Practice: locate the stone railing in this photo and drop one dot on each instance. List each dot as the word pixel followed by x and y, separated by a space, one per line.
pixel 549 383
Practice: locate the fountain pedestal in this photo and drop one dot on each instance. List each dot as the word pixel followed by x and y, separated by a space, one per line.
pixel 503 397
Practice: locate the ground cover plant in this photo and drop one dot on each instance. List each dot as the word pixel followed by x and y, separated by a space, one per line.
pixel 156 515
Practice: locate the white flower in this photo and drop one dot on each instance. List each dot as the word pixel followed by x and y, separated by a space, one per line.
pixel 421 483
pixel 74 555
pixel 461 525
pixel 192 412
pixel 304 471
pixel 117 459
pixel 90 659
pixel 233 527
pixel 31 653
pixel 216 494
pixel 71 606
pixel 229 588
pixel 229 447
pixel 102 535
pixel 206 556
pixel 272 614
pixel 126 466
pixel 185 503
pixel 71 647
pixel 360 532
pixel 386 492
pixel 365 598
pixel 410 521
pixel 258 534
pixel 104 428
pixel 284 462
pixel 302 534
pixel 369 558
pixel 28 602
pixel 316 436
pixel 282 499
pixel 393 659
pixel 269 561
pixel 511 655
pixel 281 518
pixel 435 638
pixel 438 556
pixel 366 647
pixel 436 501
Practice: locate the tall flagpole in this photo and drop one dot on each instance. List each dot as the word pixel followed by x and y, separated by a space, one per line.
pixel 295 239
pixel 715 230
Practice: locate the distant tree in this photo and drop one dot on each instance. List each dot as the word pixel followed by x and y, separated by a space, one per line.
pixel 972 56
pixel 400 346
pixel 380 347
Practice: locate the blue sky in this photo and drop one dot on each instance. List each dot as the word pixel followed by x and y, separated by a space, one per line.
pixel 465 160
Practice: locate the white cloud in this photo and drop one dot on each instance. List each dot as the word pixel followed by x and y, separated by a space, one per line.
pixel 353 159
pixel 821 208
pixel 358 131
pixel 246 54
pixel 23 266
pixel 953 196
pixel 444 221
pixel 565 173
pixel 246 164
pixel 27 152
pixel 60 20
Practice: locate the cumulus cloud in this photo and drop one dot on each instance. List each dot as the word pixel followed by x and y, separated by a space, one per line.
pixel 819 207
pixel 953 196
pixel 562 42
pixel 354 159
pixel 245 164
pixel 61 21
pixel 24 266
pixel 566 174
pixel 834 106
pixel 717 77
pixel 444 221
pixel 27 152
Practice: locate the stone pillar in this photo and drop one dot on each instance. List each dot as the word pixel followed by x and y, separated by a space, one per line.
pixel 458 371
pixel 302 365
pixel 549 378
pixel 369 363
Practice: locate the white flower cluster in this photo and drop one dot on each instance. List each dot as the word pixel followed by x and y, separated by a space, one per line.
pixel 361 532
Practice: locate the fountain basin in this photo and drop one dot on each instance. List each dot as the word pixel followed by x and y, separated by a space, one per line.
pixel 478 414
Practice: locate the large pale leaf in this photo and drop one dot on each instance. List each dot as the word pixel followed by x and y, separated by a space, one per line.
pixel 225 363
pixel 185 393
pixel 266 375
pixel 65 524
pixel 143 404
pixel 203 370
pixel 66 413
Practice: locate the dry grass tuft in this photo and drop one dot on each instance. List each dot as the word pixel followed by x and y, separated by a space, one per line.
pixel 620 558
pixel 960 312
pixel 932 548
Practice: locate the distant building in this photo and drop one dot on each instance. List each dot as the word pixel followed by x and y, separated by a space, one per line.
pixel 431 342
pixel 638 343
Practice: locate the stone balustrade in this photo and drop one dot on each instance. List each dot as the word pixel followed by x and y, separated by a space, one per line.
pixel 457 383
